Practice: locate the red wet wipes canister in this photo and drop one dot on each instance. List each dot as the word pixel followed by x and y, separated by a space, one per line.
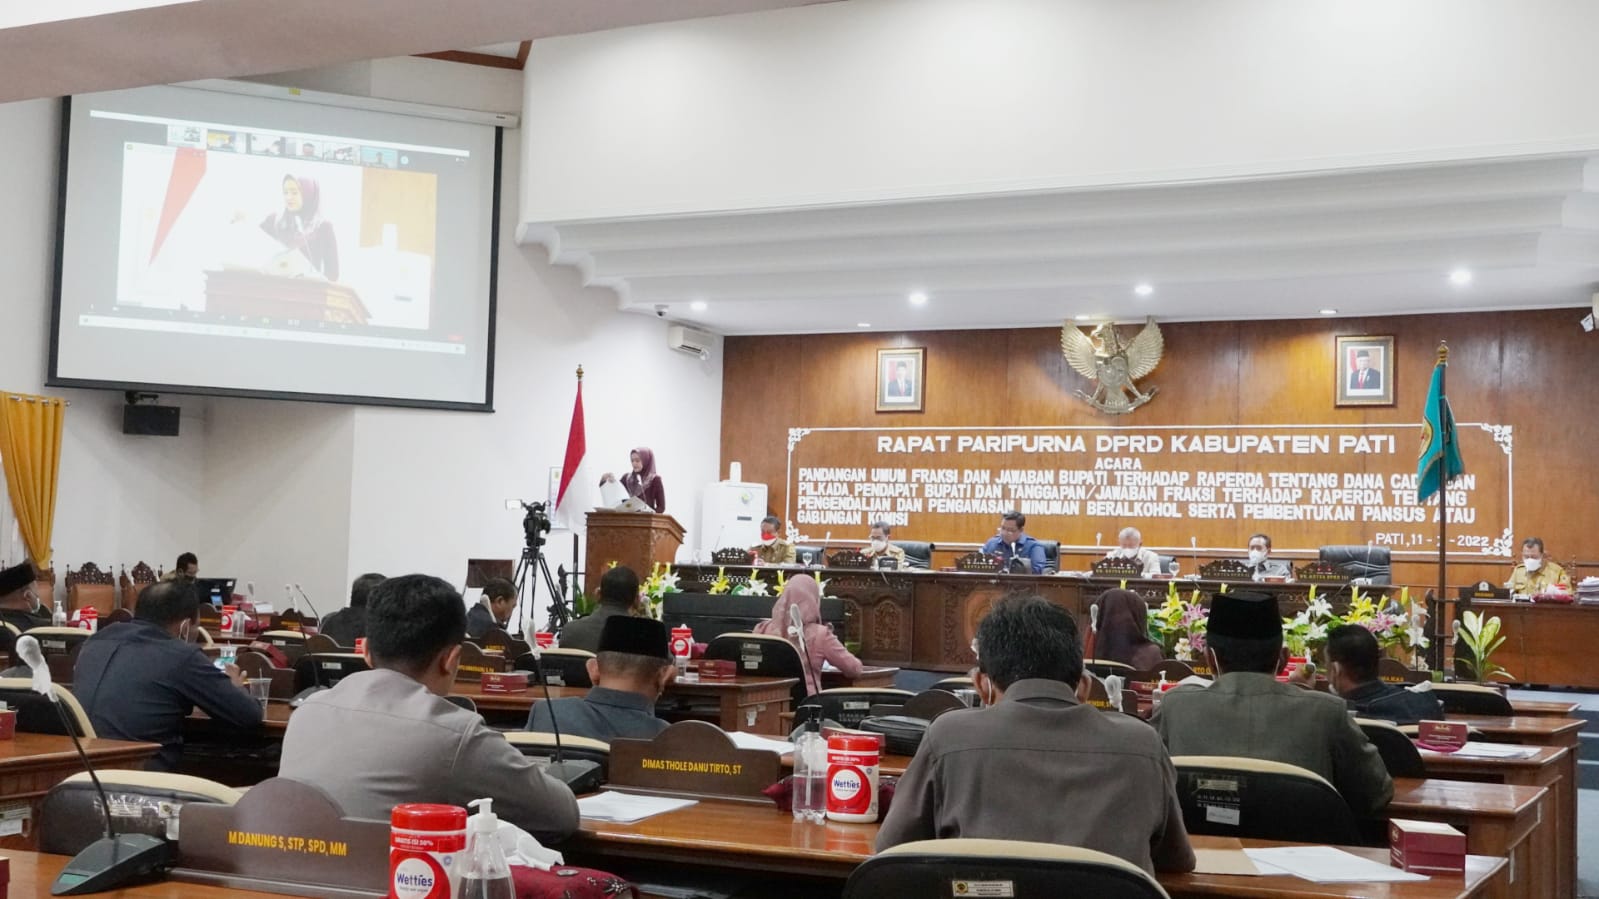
pixel 427 850
pixel 852 765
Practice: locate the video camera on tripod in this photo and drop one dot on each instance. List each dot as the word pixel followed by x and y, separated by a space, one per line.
pixel 531 567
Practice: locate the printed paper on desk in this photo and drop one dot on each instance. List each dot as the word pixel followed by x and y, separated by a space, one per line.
pixel 750 741
pixel 1324 864
pixel 626 808
pixel 1480 750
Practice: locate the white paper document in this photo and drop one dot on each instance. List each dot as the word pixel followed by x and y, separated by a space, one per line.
pixel 1480 750
pixel 1324 864
pixel 751 741
pixel 626 808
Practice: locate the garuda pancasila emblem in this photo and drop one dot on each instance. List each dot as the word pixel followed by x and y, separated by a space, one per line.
pixel 1102 356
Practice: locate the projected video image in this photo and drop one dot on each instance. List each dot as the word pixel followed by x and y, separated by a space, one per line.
pixel 274 229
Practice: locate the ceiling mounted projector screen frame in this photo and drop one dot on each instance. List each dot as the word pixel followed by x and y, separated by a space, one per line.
pixel 411 324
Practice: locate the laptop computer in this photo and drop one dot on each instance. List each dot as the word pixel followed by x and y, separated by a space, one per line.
pixel 218 591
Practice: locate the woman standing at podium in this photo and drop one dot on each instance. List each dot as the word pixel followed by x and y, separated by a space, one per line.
pixel 642 483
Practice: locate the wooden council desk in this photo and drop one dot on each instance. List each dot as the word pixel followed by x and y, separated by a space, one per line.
pixel 1552 732
pixel 30 764
pixel 927 619
pixel 1498 819
pixel 1550 769
pixel 745 837
pixel 33 872
pixel 1545 643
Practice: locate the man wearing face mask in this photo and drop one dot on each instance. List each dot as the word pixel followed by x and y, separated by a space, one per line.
pixel 1537 573
pixel 139 680
pixel 1004 772
pixel 1131 546
pixel 1260 563
pixel 880 548
pixel 1013 543
pixel 773 549
pixel 1352 656
pixel 19 599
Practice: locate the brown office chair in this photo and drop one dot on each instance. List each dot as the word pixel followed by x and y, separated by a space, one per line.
pixel 134 580
pixel 561 667
pixel 1107 667
pixel 1230 796
pixel 928 705
pixel 1399 754
pixel 760 655
pixel 951 684
pixel 1030 871
pixel 1472 699
pixel 323 643
pixel 89 587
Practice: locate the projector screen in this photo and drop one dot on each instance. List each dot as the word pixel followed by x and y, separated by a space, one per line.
pixel 214 242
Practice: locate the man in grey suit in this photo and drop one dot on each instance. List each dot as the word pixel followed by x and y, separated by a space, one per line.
pixel 1260 562
pixel 387 736
pixel 631 670
pixel 1246 712
pixel 1037 764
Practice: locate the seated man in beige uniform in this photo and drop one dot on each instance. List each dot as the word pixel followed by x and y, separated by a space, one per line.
pixel 1246 712
pixel 388 736
pixel 1037 764
pixel 1537 573
pixel 879 547
pixel 773 549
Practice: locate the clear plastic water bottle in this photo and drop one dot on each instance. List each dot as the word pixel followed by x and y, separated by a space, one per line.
pixel 58 618
pixel 486 876
pixel 810 774
pixel 228 655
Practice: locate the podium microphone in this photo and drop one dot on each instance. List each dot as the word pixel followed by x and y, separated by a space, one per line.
pixel 114 859
pixel 796 628
pixel 579 775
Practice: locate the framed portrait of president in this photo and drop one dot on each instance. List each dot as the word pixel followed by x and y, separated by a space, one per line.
pixel 900 377
pixel 1366 371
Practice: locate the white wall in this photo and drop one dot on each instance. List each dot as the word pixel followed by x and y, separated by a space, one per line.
pixel 429 488
pixel 876 99
pixel 121 499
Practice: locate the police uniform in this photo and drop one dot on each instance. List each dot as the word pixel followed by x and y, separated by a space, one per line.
pixel 890 551
pixel 780 552
pixel 1548 576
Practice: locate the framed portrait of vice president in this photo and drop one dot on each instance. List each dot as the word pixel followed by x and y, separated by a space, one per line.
pixel 900 377
pixel 1366 370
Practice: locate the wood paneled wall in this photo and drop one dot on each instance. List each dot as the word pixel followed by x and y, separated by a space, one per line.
pixel 1536 370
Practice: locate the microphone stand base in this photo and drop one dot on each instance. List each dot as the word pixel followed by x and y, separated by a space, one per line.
pixel 111 862
pixel 579 775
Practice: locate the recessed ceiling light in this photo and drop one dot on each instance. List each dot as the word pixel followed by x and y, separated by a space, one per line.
pixel 1083 318
pixel 863 324
pixel 1460 277
pixel 918 298
pixel 1329 312
pixel 1143 288
pixel 697 305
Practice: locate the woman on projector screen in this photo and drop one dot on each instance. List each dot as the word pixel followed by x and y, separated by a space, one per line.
pixel 642 482
pixel 300 226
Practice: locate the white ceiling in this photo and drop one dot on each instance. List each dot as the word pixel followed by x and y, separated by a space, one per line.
pixel 83 46
pixel 1379 242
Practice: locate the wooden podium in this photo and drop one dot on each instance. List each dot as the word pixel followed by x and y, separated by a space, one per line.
pixel 635 539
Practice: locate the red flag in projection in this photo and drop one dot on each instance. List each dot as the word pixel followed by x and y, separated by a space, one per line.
pixel 575 444
pixel 188 167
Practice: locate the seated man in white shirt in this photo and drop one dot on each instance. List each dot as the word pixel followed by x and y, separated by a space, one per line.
pixel 1131 546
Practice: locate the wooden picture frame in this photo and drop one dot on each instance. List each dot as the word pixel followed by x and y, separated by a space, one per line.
pixel 1366 370
pixel 901 377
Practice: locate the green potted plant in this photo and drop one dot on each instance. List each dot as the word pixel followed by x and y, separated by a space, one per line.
pixel 1479 637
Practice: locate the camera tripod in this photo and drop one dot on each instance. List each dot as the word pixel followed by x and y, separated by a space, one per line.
pixel 529 570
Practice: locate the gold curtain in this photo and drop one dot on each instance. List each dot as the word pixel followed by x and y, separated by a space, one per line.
pixel 30 448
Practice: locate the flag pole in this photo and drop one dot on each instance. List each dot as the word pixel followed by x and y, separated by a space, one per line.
pixel 1443 506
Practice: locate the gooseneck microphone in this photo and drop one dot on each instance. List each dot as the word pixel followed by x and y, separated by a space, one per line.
pixel 796 629
pixel 112 860
pixel 308 603
pixel 580 776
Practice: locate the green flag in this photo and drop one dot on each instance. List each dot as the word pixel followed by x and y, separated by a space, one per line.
pixel 1434 467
